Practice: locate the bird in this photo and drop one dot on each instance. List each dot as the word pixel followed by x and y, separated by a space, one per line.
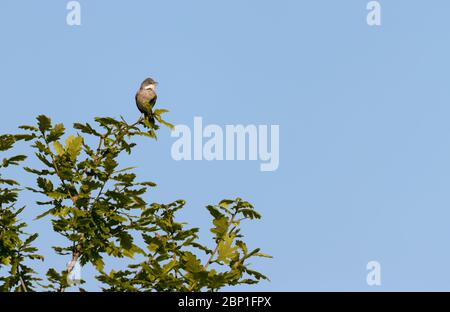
pixel 146 97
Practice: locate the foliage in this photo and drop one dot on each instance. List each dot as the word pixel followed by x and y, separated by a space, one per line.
pixel 99 208
pixel 15 244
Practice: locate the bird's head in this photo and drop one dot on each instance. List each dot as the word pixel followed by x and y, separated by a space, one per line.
pixel 149 83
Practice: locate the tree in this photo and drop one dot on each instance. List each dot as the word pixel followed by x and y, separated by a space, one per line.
pixel 99 208
pixel 15 244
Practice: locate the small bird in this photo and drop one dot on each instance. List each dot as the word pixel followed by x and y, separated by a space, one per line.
pixel 146 97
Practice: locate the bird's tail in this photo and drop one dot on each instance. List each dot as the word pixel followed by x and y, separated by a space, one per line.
pixel 148 120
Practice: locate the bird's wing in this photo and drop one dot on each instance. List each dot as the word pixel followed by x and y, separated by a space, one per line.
pixel 153 101
pixel 145 102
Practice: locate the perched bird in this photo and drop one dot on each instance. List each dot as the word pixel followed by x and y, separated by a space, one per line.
pixel 146 97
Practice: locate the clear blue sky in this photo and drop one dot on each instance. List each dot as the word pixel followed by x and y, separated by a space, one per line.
pixel 363 112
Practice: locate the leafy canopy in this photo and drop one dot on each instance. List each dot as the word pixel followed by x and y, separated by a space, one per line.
pixel 100 209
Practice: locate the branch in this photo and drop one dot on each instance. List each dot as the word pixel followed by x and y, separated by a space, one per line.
pixel 207 264
pixel 70 266
pixel 22 282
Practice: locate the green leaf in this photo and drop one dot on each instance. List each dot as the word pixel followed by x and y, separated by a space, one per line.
pixel 87 128
pixel 42 147
pixel 192 264
pixel 57 195
pixel 110 164
pixel 37 172
pixel 29 128
pixel 215 212
pixel 56 133
pixel 148 183
pixel 256 274
pixel 126 241
pixel 51 211
pixel 226 251
pixel 169 266
pixel 73 146
pixel 6 142
pixel 36 257
pixel 8 181
pixel 160 111
pixel 167 124
pixel 45 184
pixel 221 227
pixel 125 178
pixel 13 160
pixel 53 275
pixel 44 160
pixel 99 264
pixel 25 137
pixel 118 218
pixel 225 203
pixel 59 149
pixel 107 121
pixel 30 239
pixel 44 123
pixel 125 169
pixel 250 213
pixel 243 246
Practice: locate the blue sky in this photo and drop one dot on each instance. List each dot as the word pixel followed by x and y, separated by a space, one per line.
pixel 363 112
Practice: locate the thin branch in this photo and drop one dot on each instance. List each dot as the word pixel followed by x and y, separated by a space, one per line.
pixel 207 264
pixel 22 282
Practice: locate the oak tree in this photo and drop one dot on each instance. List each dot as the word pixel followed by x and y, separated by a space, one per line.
pixel 100 208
